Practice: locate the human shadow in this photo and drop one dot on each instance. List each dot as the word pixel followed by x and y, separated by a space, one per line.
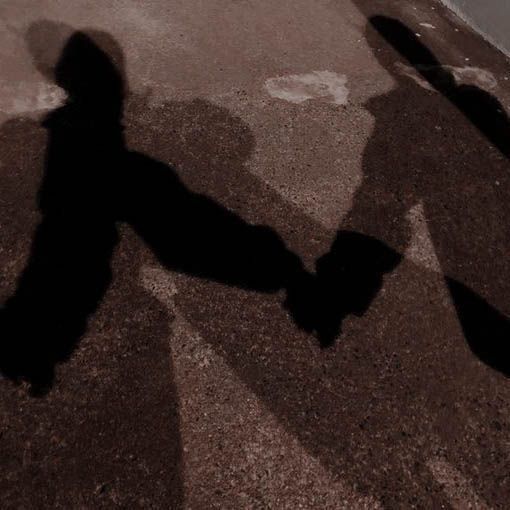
pixel 414 160
pixel 91 182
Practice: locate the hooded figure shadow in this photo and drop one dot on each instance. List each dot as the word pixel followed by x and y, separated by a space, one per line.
pixel 433 148
pixel 91 182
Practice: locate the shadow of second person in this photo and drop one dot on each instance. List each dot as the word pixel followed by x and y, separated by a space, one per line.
pixel 432 150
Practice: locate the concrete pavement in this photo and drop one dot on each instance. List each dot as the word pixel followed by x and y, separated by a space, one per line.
pixel 186 392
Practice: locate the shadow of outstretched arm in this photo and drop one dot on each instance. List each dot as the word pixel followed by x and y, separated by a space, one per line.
pixel 193 234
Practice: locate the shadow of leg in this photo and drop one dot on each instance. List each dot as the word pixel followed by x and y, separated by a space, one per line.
pixel 63 283
pixel 487 331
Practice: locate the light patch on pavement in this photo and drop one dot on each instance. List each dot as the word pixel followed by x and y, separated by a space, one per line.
pixel 312 160
pixel 473 76
pixel 29 97
pixel 421 249
pixel 458 489
pixel 161 285
pixel 297 88
pixel 229 437
pixel 156 27
pixel 466 75
pixel 412 73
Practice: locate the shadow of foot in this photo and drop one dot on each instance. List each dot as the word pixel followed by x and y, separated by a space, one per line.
pixel 23 354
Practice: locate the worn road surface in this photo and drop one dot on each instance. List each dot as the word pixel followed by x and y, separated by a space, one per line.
pixel 256 134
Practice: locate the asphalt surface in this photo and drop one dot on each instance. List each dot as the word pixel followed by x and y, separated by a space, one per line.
pixel 188 320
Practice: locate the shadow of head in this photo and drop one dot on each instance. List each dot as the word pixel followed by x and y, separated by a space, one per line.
pixel 482 108
pixel 408 46
pixel 402 39
pixel 87 64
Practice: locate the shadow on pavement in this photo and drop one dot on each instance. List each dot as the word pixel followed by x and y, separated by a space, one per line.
pixel 412 160
pixel 91 182
pixel 365 411
pixel 486 329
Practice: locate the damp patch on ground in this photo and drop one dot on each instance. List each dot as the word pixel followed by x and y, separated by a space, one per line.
pixel 298 88
pixel 466 75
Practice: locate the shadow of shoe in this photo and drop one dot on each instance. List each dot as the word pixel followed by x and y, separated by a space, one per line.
pixel 22 356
